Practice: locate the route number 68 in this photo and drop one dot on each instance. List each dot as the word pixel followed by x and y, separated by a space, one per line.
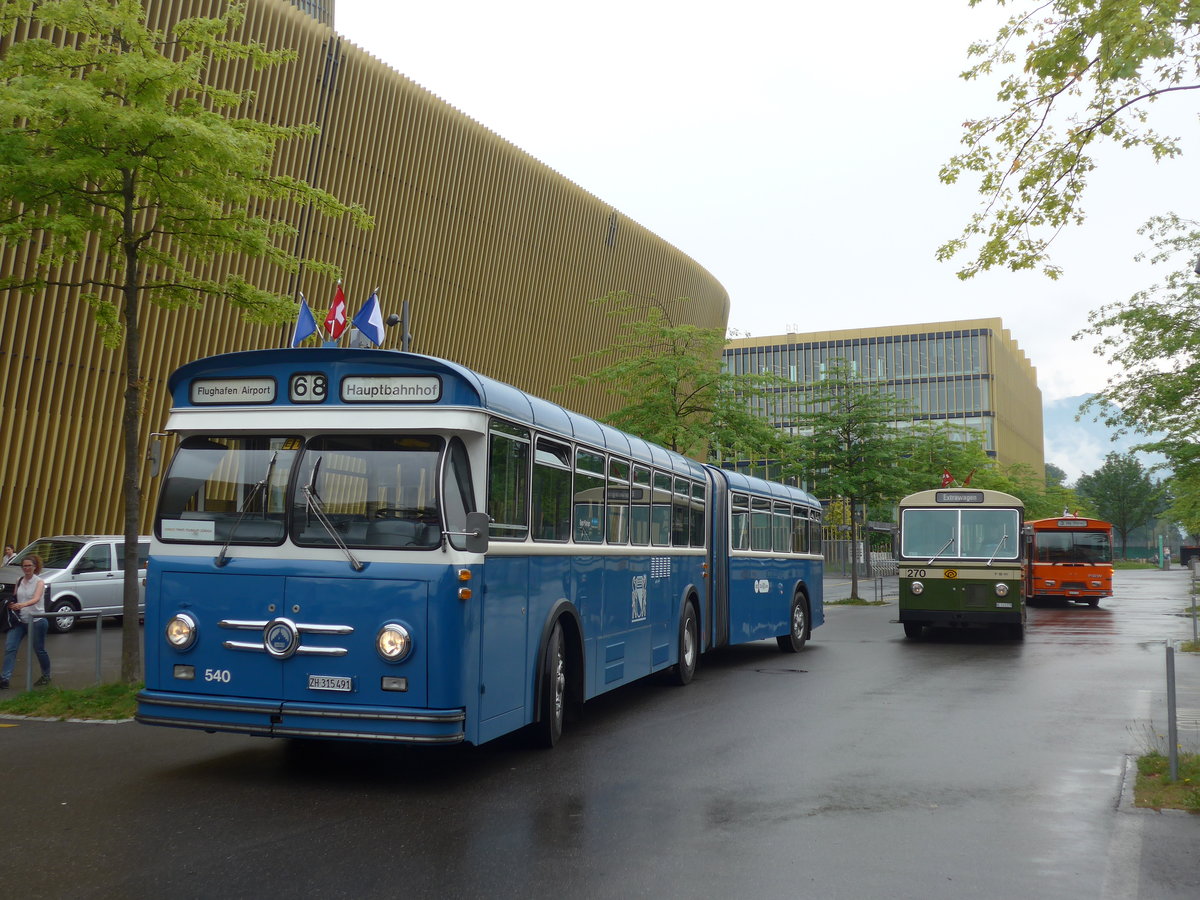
pixel 308 387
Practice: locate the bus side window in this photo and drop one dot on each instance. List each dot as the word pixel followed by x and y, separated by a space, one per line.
pixel 508 481
pixel 781 528
pixel 815 533
pixel 697 509
pixel 760 524
pixel 589 497
pixel 551 491
pixel 458 491
pixel 680 513
pixel 660 512
pixel 799 530
pixel 739 523
pixel 639 518
pixel 617 501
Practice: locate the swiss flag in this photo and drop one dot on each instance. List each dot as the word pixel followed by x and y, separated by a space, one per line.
pixel 947 478
pixel 335 321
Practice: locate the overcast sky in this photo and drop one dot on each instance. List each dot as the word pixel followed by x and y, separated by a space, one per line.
pixel 792 149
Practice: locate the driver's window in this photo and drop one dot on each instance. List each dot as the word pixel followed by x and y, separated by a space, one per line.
pixel 97 558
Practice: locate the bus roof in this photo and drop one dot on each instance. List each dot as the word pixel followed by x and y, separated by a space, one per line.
pixel 460 387
pixel 960 496
pixel 1069 523
pixel 739 481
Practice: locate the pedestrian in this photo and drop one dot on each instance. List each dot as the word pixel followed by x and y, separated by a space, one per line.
pixel 10 555
pixel 30 598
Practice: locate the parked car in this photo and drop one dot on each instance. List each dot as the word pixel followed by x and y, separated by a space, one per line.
pixel 82 572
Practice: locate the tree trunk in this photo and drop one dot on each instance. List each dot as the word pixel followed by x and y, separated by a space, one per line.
pixel 131 651
pixel 853 550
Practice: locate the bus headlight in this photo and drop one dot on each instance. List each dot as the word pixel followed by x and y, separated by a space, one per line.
pixel 917 588
pixel 1001 589
pixel 393 642
pixel 181 631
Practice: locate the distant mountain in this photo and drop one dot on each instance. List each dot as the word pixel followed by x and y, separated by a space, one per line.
pixel 1079 448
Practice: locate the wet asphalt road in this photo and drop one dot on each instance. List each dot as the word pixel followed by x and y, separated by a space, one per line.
pixel 867 766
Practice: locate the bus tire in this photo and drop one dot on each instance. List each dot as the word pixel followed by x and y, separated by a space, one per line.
pixel 689 646
pixel 798 633
pixel 913 630
pixel 552 706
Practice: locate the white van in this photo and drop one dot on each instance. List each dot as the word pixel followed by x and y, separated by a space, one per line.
pixel 82 572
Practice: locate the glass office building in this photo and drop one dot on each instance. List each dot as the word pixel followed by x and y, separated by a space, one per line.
pixel 969 373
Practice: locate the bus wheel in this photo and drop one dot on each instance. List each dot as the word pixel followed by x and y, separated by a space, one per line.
pixel 689 646
pixel 913 629
pixel 795 638
pixel 553 701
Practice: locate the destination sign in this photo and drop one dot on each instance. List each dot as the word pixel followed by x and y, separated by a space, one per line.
pixel 391 389
pixel 1072 523
pixel 959 497
pixel 225 391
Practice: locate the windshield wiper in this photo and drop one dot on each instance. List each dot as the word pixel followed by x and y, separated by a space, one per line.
pixel 314 505
pixel 939 553
pixel 1003 541
pixel 259 487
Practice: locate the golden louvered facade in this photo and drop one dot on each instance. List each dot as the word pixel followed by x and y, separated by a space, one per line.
pixel 497 254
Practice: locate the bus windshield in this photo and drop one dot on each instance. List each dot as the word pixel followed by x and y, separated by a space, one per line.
pixel 938 534
pixel 366 491
pixel 1073 547
pixel 221 489
pixel 373 491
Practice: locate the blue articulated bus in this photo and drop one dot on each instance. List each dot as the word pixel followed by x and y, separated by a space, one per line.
pixel 383 546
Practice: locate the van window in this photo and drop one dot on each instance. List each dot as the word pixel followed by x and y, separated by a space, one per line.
pixel 96 558
pixel 143 555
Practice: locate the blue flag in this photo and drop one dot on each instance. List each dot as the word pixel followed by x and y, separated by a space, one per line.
pixel 369 320
pixel 305 323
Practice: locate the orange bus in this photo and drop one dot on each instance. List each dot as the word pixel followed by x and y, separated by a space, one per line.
pixel 1069 558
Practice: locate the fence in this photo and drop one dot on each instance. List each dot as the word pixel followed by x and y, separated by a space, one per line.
pixel 98 612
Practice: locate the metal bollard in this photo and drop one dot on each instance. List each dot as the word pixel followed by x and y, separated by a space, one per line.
pixel 1172 733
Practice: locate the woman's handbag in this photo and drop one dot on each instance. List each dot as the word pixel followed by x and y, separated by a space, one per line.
pixel 9 617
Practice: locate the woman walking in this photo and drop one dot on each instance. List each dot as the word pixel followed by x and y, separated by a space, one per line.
pixel 30 599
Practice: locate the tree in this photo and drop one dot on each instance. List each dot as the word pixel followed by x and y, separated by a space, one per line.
pixel 1073 73
pixel 847 445
pixel 111 144
pixel 674 390
pixel 1152 341
pixel 933 448
pixel 1121 492
pixel 1184 508
pixel 1055 477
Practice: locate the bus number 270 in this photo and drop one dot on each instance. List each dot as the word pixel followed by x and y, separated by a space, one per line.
pixel 913 573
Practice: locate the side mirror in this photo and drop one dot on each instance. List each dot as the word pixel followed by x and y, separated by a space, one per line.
pixel 477 532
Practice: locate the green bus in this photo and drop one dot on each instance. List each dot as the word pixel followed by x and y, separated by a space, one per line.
pixel 960 560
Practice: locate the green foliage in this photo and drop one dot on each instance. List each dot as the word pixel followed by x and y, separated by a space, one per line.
pixel 1072 74
pixel 674 390
pixel 848 443
pixel 113 144
pixel 1122 492
pixel 932 448
pixel 114 148
pixel 1055 477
